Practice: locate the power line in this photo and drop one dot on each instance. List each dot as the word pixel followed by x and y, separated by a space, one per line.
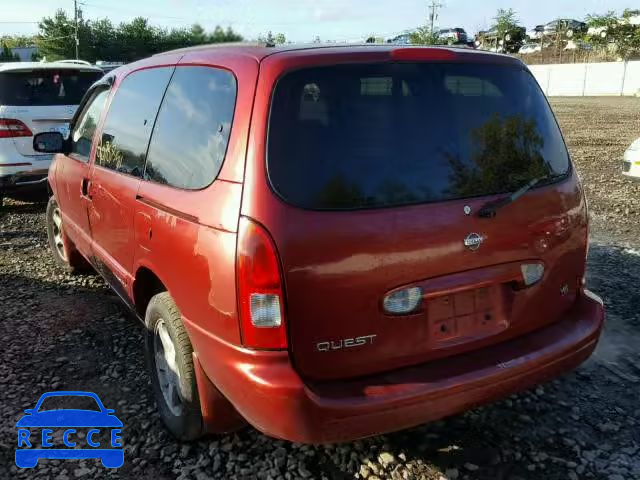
pixel 135 12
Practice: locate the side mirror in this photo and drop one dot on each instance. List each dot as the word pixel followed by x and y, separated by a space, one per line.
pixel 48 142
pixel 29 411
pixel 109 411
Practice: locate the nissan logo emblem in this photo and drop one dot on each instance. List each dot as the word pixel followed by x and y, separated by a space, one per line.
pixel 473 241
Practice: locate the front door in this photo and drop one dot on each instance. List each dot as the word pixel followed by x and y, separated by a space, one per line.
pixel 72 174
pixel 117 170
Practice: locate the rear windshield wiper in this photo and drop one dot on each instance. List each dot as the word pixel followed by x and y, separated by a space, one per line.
pixel 489 209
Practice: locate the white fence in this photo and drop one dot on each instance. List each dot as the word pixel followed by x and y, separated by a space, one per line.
pixel 589 79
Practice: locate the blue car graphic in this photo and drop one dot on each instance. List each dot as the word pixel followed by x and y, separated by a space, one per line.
pixel 68 419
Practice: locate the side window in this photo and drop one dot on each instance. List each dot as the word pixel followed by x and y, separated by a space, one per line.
pixel 192 131
pixel 83 132
pixel 127 128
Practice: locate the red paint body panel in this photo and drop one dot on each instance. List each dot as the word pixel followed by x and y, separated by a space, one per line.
pixel 269 393
pixel 480 333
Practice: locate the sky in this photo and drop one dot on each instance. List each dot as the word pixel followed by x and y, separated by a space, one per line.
pixel 303 20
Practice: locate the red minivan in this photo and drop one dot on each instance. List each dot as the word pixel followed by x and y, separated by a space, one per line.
pixel 329 242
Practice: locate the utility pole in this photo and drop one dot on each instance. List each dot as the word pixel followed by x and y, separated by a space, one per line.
pixel 75 12
pixel 433 13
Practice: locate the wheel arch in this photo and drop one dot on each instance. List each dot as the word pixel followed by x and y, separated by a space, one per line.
pixel 146 284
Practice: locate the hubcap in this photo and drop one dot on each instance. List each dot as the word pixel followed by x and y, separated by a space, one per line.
pixel 167 368
pixel 57 233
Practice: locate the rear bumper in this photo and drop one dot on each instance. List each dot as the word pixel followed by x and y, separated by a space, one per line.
pixel 24 181
pixel 269 394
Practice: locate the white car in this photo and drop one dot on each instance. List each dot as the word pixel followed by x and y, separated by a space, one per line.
pixel 530 48
pixel 35 97
pixel 631 162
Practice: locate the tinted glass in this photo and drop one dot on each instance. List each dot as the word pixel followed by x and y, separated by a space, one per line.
pixel 45 87
pixel 125 136
pixel 192 131
pixel 363 136
pixel 82 136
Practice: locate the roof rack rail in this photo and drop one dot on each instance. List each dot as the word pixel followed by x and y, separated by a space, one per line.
pixel 78 62
pixel 218 45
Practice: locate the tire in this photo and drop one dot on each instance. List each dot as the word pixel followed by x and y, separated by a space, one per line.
pixel 64 252
pixel 55 235
pixel 170 363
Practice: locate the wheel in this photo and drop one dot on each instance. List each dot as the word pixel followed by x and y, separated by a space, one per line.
pixel 63 250
pixel 170 363
pixel 55 234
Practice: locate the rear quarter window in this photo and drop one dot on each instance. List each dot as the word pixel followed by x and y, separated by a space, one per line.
pixel 191 135
pixel 389 134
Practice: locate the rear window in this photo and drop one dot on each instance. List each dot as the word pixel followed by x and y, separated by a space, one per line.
pixel 380 135
pixel 45 87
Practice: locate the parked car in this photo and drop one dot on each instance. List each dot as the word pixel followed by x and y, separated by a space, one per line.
pixel 530 48
pixel 453 36
pixel 536 33
pixel 404 39
pixel 577 45
pixel 564 26
pixel 301 262
pixel 631 161
pixel 35 97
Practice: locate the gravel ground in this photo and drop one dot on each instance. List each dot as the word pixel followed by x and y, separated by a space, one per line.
pixel 66 332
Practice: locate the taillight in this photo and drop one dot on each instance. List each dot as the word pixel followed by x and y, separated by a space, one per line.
pixel 10 127
pixel 260 297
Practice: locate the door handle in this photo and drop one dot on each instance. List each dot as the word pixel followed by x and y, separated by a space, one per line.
pixel 84 186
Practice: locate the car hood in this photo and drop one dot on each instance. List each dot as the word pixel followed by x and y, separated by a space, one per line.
pixel 69 418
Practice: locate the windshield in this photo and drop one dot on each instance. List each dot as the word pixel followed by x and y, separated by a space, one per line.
pixel 379 135
pixel 45 87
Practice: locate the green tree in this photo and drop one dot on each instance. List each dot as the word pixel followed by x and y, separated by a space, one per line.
pixel 138 39
pixel 56 38
pixel 105 43
pixel 129 41
pixel 219 35
pixel 197 34
pixel 271 39
pixel 508 30
pixel 18 41
pixel 507 153
pixel 424 36
pixel 610 34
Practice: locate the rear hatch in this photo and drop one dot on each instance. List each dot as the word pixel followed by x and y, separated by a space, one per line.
pixel 381 170
pixel 43 99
